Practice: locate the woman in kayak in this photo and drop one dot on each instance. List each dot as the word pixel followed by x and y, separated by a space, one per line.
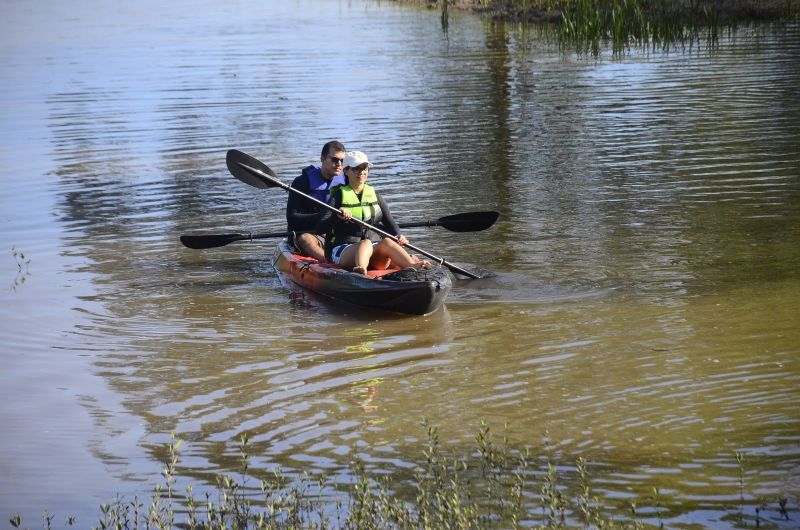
pixel 351 245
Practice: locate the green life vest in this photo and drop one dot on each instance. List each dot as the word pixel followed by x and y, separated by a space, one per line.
pixel 366 208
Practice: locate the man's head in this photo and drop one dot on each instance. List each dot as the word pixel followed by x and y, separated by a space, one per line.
pixel 332 157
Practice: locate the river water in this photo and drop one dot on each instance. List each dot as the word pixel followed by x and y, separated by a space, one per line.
pixel 644 312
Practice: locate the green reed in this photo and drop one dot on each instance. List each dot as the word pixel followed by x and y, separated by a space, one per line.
pixel 492 486
pixel 588 24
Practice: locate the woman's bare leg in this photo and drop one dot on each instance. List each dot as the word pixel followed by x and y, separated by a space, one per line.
pixel 357 256
pixel 387 252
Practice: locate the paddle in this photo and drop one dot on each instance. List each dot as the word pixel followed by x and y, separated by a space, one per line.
pixel 252 171
pixel 220 240
pixel 460 222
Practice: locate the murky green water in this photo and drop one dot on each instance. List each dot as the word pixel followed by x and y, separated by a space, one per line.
pixel 645 309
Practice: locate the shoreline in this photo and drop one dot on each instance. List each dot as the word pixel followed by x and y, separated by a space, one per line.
pixel 727 12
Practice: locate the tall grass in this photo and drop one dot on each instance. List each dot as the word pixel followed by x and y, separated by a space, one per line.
pixel 493 486
pixel 588 24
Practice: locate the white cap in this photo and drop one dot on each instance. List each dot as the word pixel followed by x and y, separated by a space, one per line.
pixel 355 159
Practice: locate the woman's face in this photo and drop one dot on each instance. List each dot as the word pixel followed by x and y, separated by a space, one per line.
pixel 357 176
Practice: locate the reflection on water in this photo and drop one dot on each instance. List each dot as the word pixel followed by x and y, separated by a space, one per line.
pixel 643 311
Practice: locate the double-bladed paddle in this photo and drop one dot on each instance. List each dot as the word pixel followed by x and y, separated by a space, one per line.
pixel 220 240
pixel 255 173
pixel 460 222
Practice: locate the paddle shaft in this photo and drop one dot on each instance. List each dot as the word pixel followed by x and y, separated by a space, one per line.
pixel 290 189
pixel 460 222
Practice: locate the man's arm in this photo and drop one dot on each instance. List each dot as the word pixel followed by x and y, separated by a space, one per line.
pixel 329 218
pixel 298 218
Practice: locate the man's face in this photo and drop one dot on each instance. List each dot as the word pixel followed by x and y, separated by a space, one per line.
pixel 332 164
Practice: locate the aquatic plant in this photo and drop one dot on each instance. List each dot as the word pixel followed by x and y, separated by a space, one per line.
pixel 588 25
pixel 22 268
pixel 493 486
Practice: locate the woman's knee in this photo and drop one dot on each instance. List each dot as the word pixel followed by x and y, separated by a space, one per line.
pixel 387 245
pixel 365 247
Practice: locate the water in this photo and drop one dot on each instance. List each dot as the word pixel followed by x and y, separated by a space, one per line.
pixel 644 312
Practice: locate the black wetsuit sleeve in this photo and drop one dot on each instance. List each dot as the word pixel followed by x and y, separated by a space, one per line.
pixel 388 221
pixel 329 218
pixel 298 218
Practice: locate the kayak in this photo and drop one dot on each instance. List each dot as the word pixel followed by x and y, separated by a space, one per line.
pixel 413 291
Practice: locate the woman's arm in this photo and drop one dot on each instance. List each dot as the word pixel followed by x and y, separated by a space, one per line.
pixel 388 221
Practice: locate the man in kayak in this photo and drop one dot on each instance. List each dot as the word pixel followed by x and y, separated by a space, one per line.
pixel 302 215
pixel 351 245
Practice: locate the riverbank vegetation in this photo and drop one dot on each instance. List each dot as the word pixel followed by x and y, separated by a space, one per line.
pixel 588 24
pixel 494 486
pixel 727 11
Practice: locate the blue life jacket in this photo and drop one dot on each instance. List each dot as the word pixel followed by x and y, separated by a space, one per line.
pixel 318 187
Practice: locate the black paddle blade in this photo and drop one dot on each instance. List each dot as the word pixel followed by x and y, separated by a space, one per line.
pixel 469 222
pixel 220 240
pixel 234 160
pixel 211 241
pixel 478 273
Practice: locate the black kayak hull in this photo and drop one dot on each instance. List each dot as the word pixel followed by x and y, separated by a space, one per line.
pixel 410 296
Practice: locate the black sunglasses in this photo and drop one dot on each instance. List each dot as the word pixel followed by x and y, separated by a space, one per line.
pixel 336 161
